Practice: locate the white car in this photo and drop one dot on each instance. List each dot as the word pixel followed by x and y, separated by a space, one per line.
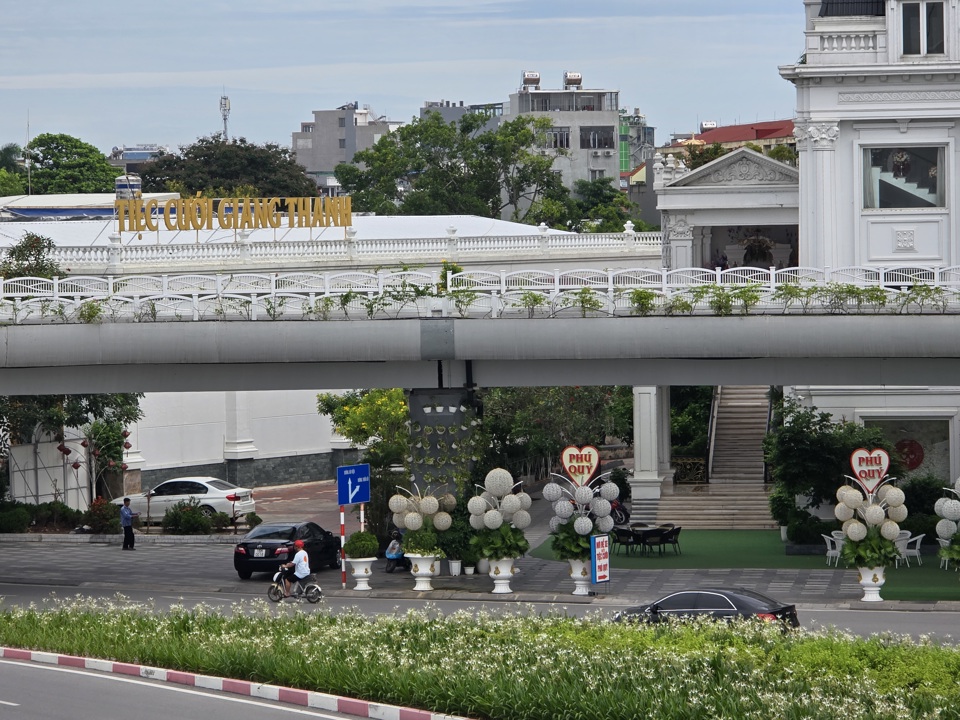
pixel 213 494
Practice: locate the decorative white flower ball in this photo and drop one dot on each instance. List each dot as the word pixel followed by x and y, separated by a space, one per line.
pixel 605 524
pixel 413 521
pixel 951 509
pixel 442 521
pixel 448 502
pixel 889 529
pixel 583 495
pixel 498 482
pixel 856 531
pixel 563 509
pixel 898 513
pixel 842 512
pixel 521 519
pixel 583 525
pixel 552 492
pixel 398 520
pixel 429 505
pixel 492 500
pixel 846 524
pixel 492 519
pixel 397 503
pixel 874 514
pixel 600 507
pixel 852 499
pixel 477 505
pixel 946 529
pixel 525 500
pixel 609 491
pixel 556 522
pixel 841 491
pixel 894 497
pixel 509 504
pixel 881 493
pixel 938 506
pixel 956 485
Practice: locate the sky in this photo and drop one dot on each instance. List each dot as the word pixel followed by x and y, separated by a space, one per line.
pixel 118 73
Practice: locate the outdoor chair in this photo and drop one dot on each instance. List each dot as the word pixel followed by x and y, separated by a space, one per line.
pixel 623 538
pixel 944 561
pixel 650 539
pixel 672 538
pixel 833 550
pixel 909 548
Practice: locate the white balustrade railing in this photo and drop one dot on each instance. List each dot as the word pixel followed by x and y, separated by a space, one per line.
pixel 529 293
pixel 312 252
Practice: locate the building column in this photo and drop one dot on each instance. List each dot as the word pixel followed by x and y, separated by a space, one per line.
pixel 239 450
pixel 647 423
pixel 816 144
pixel 678 239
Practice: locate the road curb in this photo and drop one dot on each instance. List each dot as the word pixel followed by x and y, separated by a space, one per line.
pixel 276 693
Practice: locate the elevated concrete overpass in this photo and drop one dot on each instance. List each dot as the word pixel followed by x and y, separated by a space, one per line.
pixel 450 352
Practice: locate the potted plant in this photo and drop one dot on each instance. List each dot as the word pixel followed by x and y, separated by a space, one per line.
pixel 455 540
pixel 469 557
pixel 567 544
pixel 423 549
pixel 870 555
pixel 361 550
pixel 500 547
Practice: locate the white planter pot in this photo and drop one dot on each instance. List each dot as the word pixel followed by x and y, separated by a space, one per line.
pixel 361 569
pixel 580 572
pixel 502 572
pixel 871 580
pixel 422 567
pixel 468 569
pixel 455 566
pixel 783 533
pixel 483 566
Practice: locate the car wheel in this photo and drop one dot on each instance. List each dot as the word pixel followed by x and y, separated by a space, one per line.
pixel 245 574
pixel 337 561
pixel 207 511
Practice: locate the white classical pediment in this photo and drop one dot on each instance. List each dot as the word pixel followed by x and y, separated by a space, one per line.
pixel 741 168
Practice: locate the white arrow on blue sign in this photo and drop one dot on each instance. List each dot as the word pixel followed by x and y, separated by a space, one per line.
pixel 353 484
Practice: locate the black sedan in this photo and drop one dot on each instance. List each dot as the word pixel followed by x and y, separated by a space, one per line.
pixel 268 545
pixel 719 603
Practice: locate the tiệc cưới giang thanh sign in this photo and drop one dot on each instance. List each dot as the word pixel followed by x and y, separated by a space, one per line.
pixel 137 215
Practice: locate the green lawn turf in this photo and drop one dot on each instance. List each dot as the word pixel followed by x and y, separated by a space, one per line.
pixel 712 549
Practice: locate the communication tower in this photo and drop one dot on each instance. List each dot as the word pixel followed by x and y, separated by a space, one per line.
pixel 225 113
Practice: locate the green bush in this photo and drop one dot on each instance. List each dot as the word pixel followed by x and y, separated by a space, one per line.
pixel 921 493
pixel 806 529
pixel 221 521
pixel 16 520
pixel 921 524
pixel 252 519
pixel 102 517
pixel 186 518
pixel 361 544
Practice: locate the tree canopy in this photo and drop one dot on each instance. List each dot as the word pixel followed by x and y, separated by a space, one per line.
pixel 10 157
pixel 64 164
pixel 432 167
pixel 216 167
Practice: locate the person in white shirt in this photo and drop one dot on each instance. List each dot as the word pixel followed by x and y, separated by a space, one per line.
pixel 296 569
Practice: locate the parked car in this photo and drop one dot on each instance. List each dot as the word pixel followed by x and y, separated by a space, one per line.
pixel 268 545
pixel 719 603
pixel 213 494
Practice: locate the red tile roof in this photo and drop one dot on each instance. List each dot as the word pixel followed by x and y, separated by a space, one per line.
pixel 745 133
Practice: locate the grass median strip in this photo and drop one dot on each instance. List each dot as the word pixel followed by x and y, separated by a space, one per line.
pixel 515 666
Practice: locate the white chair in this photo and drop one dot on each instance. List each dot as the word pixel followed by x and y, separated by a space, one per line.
pixel 833 550
pixel 840 536
pixel 944 561
pixel 909 548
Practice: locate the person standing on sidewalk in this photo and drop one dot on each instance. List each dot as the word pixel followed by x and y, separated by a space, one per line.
pixel 126 522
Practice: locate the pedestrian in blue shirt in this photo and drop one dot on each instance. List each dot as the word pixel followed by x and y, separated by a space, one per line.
pixel 126 522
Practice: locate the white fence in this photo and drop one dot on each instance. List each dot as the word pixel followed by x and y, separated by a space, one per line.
pixel 531 293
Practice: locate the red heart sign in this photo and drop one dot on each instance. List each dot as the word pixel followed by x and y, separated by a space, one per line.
pixel 869 467
pixel 580 463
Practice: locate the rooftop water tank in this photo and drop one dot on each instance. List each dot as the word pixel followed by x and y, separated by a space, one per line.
pixel 128 186
pixel 572 79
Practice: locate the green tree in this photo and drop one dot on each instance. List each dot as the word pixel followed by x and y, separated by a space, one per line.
pixel 784 154
pixel 601 207
pixel 216 167
pixel 64 164
pixel 431 167
pixel 698 155
pixel 10 183
pixel 30 257
pixel 10 155
pixel 690 419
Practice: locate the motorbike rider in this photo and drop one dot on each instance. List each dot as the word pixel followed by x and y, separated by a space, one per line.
pixel 296 569
pixel 394 552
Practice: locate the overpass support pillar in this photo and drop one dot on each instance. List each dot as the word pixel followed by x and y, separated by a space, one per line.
pixel 651 445
pixel 239 450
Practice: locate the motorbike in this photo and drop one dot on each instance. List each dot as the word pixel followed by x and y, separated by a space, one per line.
pixel 302 588
pixel 619 513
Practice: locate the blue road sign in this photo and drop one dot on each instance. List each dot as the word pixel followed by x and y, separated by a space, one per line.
pixel 353 484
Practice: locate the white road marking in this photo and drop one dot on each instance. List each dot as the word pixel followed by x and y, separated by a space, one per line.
pixel 4 702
